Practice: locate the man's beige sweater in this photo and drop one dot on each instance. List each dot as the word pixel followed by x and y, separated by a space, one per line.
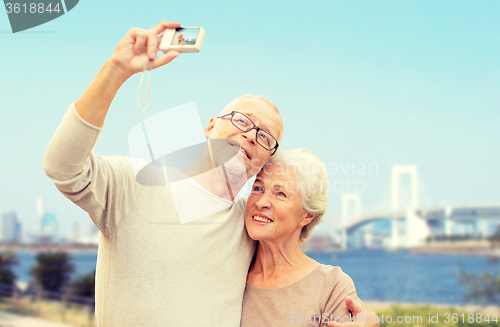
pixel 151 269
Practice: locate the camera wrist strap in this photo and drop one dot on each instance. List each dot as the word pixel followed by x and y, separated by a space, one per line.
pixel 149 67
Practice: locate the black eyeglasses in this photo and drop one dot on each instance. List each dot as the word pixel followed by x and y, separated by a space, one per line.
pixel 245 124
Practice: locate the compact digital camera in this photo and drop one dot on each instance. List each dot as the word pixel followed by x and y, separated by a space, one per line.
pixel 183 39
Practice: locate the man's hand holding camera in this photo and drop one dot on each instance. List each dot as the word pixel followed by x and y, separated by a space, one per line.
pixel 133 54
pixel 135 51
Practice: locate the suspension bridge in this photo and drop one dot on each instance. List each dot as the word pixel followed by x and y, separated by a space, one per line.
pixel 409 223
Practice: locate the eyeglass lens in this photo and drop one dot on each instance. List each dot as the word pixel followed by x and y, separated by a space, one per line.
pixel 245 124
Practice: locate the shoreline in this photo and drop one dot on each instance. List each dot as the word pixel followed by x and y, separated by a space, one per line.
pixel 379 305
pixel 471 248
pixel 49 247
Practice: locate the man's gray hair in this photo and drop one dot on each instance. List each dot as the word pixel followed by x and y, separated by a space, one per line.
pixel 312 178
pixel 257 97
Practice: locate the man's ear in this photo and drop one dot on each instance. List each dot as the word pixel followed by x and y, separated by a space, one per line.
pixel 209 128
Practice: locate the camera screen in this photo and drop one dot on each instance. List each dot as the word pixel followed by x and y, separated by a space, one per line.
pixel 185 36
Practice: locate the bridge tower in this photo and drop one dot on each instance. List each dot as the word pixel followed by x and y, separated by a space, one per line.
pixel 397 171
pixel 347 214
pixel 416 228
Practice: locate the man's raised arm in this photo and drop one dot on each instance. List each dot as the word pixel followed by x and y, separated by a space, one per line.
pixel 70 149
pixel 103 186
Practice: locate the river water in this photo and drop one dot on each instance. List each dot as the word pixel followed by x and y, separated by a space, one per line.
pixel 378 275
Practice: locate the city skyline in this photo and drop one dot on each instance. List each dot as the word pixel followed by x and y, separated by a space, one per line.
pixel 45 228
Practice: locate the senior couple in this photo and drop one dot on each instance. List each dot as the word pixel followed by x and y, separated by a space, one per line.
pixel 242 265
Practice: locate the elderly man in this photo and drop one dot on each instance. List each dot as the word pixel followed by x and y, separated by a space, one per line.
pixel 152 270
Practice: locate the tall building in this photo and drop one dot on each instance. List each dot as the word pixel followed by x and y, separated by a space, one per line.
pixel 76 231
pixel 39 207
pixel 47 224
pixel 11 228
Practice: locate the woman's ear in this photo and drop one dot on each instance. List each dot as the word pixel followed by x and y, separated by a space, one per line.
pixel 209 128
pixel 307 219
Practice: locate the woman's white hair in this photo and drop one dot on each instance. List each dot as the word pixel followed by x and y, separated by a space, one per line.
pixel 312 177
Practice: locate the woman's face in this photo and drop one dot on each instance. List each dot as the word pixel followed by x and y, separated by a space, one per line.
pixel 274 208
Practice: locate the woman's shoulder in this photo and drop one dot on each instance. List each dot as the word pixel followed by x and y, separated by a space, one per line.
pixel 334 275
pixel 337 286
pixel 330 270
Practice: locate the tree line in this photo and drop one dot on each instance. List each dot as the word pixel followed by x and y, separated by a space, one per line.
pixel 51 273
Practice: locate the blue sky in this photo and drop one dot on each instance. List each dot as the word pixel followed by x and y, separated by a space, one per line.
pixel 385 82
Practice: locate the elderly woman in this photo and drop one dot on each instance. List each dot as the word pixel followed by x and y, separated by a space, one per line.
pixel 285 287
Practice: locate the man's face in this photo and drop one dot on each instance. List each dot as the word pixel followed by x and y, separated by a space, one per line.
pixel 262 115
